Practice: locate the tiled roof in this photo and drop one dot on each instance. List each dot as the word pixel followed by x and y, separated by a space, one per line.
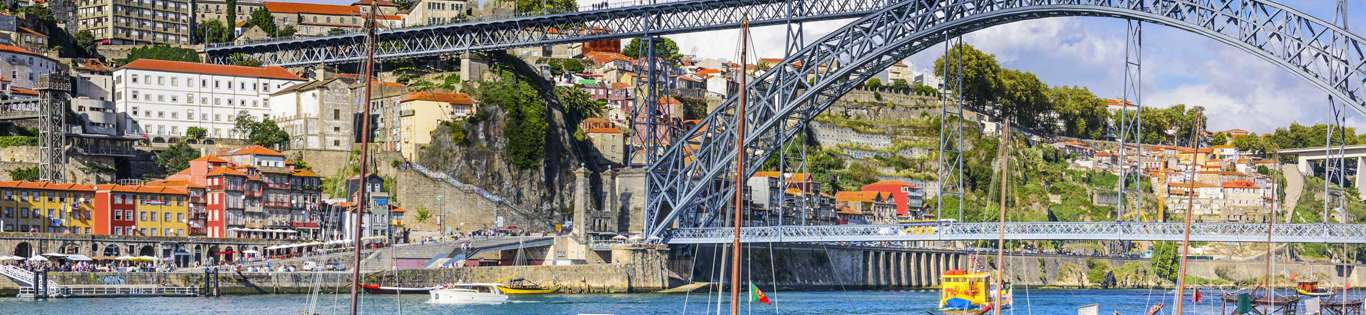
pixel 890 183
pixel 226 171
pixel 599 57
pixel 447 97
pixel 211 159
pixel 382 3
pixel 46 186
pixel 311 8
pixel 603 130
pixel 255 150
pixel 857 196
pixel 304 173
pixel 271 72
pixel 1239 184
pixel 23 91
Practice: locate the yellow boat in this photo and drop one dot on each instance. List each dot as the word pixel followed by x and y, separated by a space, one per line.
pixel 521 286
pixel 963 292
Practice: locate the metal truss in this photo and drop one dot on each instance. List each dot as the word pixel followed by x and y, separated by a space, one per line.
pixel 951 130
pixel 55 88
pixel 1131 125
pixel 1114 231
pixel 20 109
pixel 686 185
pixel 613 23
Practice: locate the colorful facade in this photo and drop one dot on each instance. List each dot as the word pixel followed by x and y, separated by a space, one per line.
pixel 46 207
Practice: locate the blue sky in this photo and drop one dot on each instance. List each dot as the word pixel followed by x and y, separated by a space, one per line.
pixel 1237 89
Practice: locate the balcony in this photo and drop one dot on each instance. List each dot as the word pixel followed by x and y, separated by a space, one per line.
pixel 284 186
pixel 304 225
pixel 277 204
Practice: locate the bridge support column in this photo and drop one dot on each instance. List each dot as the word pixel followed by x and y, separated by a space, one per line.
pixel 1305 167
pixel 868 269
pixel 919 269
pixel 902 280
pixel 884 275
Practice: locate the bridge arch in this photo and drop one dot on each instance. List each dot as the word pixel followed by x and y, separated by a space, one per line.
pixel 808 82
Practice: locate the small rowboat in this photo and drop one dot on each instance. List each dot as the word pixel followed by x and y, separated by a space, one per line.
pixel 374 288
pixel 1311 288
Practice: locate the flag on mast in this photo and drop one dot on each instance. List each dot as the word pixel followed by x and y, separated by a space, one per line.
pixel 756 295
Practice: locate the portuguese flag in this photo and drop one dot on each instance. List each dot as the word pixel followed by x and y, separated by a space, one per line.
pixel 756 295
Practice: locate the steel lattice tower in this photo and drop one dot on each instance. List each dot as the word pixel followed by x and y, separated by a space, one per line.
pixel 55 89
pixel 951 129
pixel 1131 125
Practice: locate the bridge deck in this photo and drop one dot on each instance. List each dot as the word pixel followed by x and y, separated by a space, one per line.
pixel 1117 231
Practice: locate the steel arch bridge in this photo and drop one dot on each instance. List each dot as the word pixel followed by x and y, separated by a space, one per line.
pixel 686 185
pixel 1111 231
pixel 663 18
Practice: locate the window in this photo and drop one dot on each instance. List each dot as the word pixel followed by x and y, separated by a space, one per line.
pixel 166 217
pixel 142 216
pixel 336 114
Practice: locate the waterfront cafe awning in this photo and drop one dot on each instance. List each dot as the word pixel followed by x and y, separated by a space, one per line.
pixel 4 258
pixel 250 252
pixel 288 246
pixel 78 257
pixel 37 258
pixel 55 255
pixel 263 230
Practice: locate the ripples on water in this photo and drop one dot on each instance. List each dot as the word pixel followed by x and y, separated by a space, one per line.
pixel 1042 302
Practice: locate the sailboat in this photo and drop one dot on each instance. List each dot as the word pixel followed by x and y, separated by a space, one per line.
pixel 963 292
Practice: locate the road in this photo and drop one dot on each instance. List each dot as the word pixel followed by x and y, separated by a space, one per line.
pixel 1294 186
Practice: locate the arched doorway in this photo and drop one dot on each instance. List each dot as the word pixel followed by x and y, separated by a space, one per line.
pixel 229 253
pixel 213 253
pixel 181 256
pixel 24 249
pixel 111 250
pixel 147 250
pixel 198 251
pixel 70 249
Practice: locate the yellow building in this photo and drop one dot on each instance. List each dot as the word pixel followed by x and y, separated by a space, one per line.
pixel 160 210
pixel 422 112
pixel 46 207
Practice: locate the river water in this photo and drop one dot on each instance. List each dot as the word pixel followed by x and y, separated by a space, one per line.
pixel 1038 301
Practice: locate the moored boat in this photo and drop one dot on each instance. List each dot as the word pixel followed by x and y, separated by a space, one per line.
pixel 375 288
pixel 964 292
pixel 468 293
pixel 521 286
pixel 1311 288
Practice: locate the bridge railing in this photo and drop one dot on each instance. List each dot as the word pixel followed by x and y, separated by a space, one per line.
pixel 1135 231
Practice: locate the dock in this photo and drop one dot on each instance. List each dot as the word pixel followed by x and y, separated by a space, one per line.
pixel 119 290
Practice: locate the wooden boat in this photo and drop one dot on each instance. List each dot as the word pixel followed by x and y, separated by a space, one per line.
pixel 1311 288
pixel 522 287
pixel 375 288
pixel 964 292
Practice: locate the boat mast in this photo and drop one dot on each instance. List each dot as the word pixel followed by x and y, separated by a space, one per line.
pixel 1270 221
pixel 362 203
pixel 1001 227
pixel 739 170
pixel 1190 210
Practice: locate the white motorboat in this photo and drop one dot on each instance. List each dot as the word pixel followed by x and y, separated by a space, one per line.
pixel 469 293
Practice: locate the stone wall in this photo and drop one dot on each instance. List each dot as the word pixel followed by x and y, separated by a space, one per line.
pixel 594 278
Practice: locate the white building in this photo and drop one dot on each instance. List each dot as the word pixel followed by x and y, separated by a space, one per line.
pixel 317 115
pixel 22 68
pixel 435 12
pixel 900 71
pixel 163 99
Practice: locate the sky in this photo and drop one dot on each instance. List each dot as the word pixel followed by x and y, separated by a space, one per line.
pixel 1237 89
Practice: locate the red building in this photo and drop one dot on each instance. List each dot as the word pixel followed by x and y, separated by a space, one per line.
pixel 907 196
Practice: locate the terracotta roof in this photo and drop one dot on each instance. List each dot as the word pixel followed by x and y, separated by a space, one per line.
pixel 396 209
pixel 891 183
pixel 271 72
pixel 46 186
pixel 857 196
pixel 30 31
pixel 304 173
pixel 311 8
pixel 792 177
pixel 211 158
pixel 125 188
pixel 23 91
pixel 226 171
pixel 603 130
pixel 382 3
pixel 1239 184
pixel 669 100
pixel 255 150
pixel 620 86
pixel 447 97
pixel 601 57
pixel 705 72
pixel 94 65
pixel 848 210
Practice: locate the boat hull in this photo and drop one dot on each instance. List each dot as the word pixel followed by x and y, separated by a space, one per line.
pixel 527 291
pixel 443 296
pixel 371 288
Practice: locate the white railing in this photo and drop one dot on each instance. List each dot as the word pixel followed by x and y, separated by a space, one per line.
pixel 1135 231
pixel 25 278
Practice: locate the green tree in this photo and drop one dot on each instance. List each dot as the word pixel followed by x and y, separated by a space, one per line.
pixel 1083 115
pixel 196 133
pixel 921 89
pixel 524 118
pixel 873 83
pixel 1022 97
pixel 287 31
pixel 24 173
pixel 241 59
pixel 212 31
pixel 665 48
pixel 161 52
pixel 85 41
pixel 175 158
pixel 261 18
pixel 578 105
pixel 901 84
pixel 547 6
pixel 335 32
pixel 40 13
pixel 445 82
pixel 231 26
pixel 422 215
pixel 1219 139
pixel 263 133
pixel 981 74
pixel 1166 261
pixel 1254 144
